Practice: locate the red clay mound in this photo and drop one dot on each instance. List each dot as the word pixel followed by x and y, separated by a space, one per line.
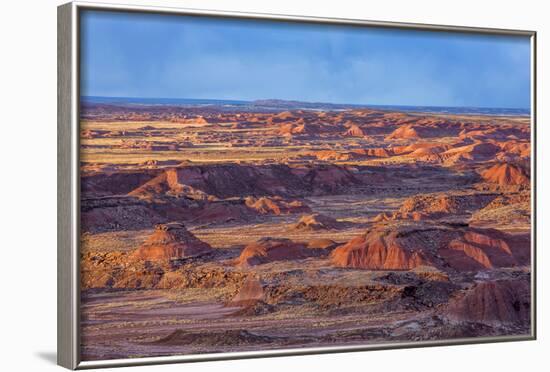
pixel 480 151
pixel 380 153
pixel 268 250
pixel 299 128
pixel 404 132
pixel 284 115
pixel 506 174
pixel 404 246
pixel 250 293
pixel 171 241
pixel 378 251
pixel 167 183
pixel 476 251
pixel 275 205
pixel 503 301
pixel 354 131
pixel 316 222
pixel 327 155
pixel 521 149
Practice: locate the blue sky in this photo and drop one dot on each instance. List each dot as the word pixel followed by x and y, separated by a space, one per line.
pixel 166 56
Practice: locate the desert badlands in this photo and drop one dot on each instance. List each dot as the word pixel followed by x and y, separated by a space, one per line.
pixel 211 229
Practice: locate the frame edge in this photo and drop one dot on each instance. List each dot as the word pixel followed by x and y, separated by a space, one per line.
pixel 68 246
pixel 66 340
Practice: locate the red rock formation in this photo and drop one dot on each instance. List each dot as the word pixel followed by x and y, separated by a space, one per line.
pixel 506 174
pixel 327 155
pixel 171 241
pixel 504 301
pixel 378 251
pixel 480 151
pixel 399 246
pixel 268 250
pixel 376 152
pixel 299 129
pixel 316 221
pixel 521 149
pixel 275 205
pixel 354 131
pixel 488 252
pixel 404 132
pixel 231 180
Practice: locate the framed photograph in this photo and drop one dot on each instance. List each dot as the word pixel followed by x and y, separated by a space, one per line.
pixel 235 185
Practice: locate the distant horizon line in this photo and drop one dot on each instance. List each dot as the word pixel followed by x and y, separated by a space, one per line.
pixel 299 101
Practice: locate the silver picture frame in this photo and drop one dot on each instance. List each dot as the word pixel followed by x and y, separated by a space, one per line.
pixel 68 186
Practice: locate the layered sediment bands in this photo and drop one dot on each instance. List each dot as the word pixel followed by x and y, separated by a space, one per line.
pixel 481 151
pixel 506 175
pixel 497 302
pixel 231 180
pixel 407 246
pixel 404 132
pixel 372 251
pixel 171 241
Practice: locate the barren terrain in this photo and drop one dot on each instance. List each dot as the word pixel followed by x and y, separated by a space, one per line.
pixel 214 230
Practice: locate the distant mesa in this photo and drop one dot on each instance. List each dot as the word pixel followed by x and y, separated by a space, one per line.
pixel 506 174
pixel 268 250
pixel 405 246
pixel 232 180
pixel 317 221
pixel 501 301
pixel 171 241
